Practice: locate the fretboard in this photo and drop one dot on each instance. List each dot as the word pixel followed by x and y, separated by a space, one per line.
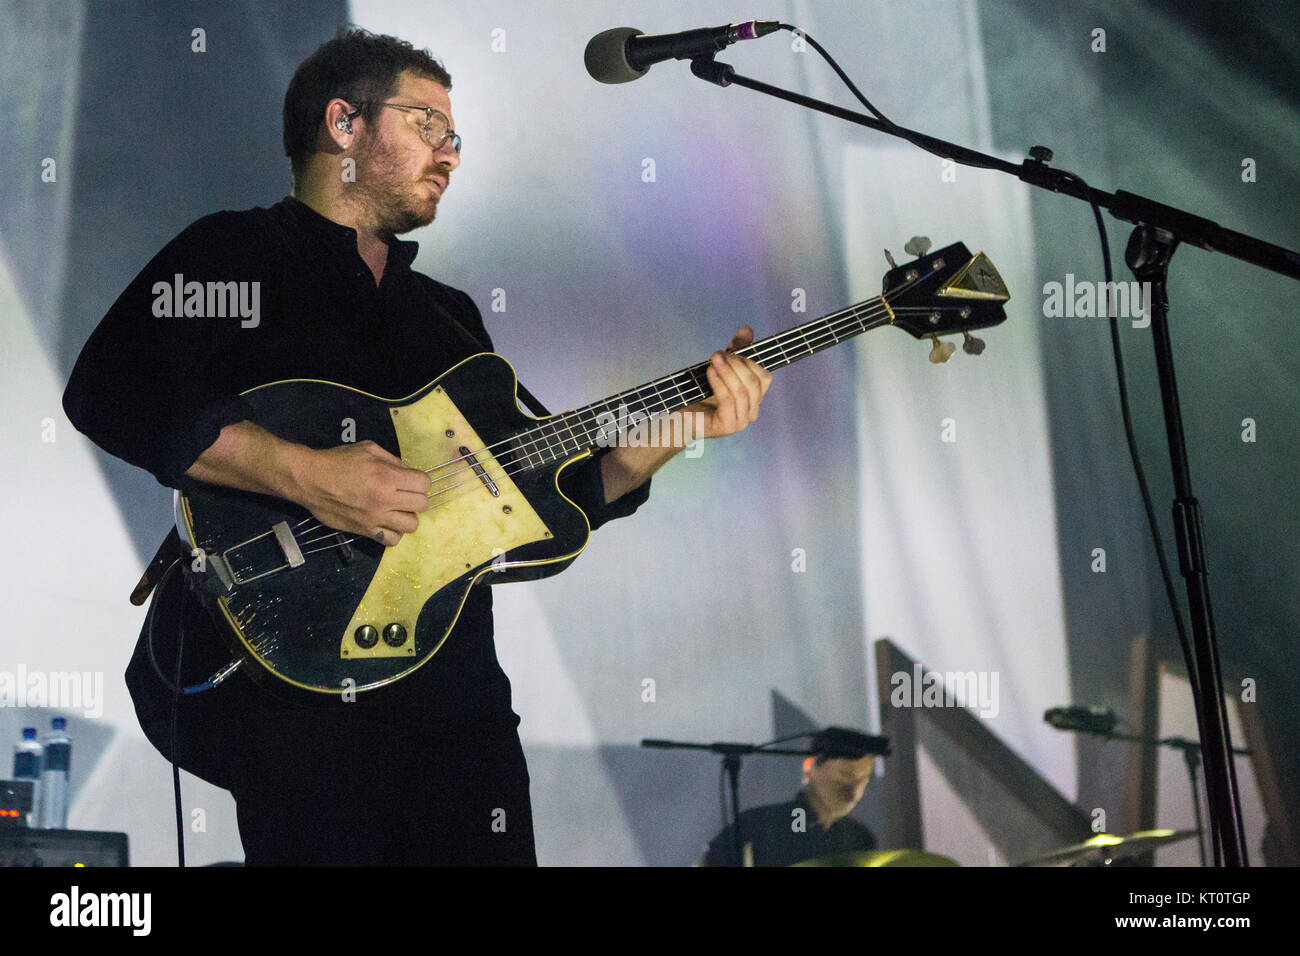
pixel 569 434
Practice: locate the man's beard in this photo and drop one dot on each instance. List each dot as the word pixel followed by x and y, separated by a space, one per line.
pixel 394 205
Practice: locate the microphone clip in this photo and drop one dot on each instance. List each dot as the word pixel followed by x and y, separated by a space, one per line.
pixel 707 68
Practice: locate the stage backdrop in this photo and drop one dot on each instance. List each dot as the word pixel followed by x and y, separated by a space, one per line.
pixel 611 234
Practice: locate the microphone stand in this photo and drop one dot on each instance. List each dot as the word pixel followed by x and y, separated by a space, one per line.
pixel 731 757
pixel 1160 229
pixel 1191 756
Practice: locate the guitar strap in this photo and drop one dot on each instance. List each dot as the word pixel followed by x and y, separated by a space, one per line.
pixel 536 407
pixel 168 551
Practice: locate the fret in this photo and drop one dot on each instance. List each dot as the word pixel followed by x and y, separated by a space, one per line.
pixel 596 428
pixel 661 401
pixel 544 434
pixel 559 437
pixel 577 443
pixel 526 448
pixel 785 356
pixel 545 454
pixel 602 427
pixel 678 385
pixel 805 340
pixel 700 380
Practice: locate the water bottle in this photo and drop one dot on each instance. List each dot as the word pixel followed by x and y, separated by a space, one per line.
pixel 53 808
pixel 27 764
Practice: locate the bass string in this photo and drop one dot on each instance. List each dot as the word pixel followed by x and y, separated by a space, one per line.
pixel 764 350
pixel 824 339
pixel 871 311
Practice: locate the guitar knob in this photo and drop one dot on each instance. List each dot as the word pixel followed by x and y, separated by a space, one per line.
pixel 366 636
pixel 941 351
pixel 917 246
pixel 972 345
pixel 394 635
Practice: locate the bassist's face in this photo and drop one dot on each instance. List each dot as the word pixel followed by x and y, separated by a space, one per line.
pixel 400 179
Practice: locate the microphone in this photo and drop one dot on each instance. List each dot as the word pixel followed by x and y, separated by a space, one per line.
pixel 841 743
pixel 625 53
pixel 1089 720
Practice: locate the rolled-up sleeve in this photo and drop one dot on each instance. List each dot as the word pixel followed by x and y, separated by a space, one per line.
pixel 583 485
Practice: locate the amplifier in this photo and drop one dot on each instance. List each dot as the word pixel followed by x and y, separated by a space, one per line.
pixel 15 802
pixel 20 846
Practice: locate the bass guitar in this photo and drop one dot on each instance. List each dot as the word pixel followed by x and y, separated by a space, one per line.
pixel 329 612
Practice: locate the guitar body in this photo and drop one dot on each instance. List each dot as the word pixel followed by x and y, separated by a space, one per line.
pixel 328 612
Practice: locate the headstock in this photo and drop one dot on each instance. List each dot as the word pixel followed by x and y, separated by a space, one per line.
pixel 943 292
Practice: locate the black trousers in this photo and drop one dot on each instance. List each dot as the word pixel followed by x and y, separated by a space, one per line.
pixel 328 794
pixel 349 784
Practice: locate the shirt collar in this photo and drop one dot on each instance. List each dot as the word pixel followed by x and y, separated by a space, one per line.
pixel 401 252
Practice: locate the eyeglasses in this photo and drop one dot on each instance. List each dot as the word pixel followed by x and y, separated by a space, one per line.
pixel 435 130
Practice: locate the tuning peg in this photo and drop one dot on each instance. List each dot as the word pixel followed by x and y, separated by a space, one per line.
pixel 917 246
pixel 941 351
pixel 972 345
pixel 889 256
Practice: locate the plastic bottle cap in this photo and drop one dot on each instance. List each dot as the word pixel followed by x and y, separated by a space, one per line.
pixel 29 733
pixel 60 723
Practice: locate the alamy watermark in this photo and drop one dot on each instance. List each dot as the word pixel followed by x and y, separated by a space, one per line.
pixel 131 910
pixel 1089 300
pixel 637 429
pixel 977 690
pixel 208 300
pixel 65 690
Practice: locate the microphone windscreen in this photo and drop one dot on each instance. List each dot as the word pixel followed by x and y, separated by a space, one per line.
pixel 606 56
pixel 1091 720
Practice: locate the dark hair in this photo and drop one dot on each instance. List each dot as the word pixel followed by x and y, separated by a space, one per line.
pixel 357 66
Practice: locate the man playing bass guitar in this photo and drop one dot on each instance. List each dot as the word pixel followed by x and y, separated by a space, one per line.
pixel 430 769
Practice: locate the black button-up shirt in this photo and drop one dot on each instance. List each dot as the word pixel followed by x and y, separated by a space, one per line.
pixel 156 389
pixel 781 837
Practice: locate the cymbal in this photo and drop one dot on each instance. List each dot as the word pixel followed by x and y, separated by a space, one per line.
pixel 881 858
pixel 1105 847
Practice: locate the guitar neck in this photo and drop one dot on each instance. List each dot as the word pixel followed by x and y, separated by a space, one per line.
pixel 570 433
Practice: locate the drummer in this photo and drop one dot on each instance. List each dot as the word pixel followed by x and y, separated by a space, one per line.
pixel 815 823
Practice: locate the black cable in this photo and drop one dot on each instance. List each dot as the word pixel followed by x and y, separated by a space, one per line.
pixel 176 770
pixel 148 643
pixel 1127 415
pixel 153 659
pixel 176 709
pixel 902 131
pixel 1192 676
pixel 843 76
pixel 176 699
